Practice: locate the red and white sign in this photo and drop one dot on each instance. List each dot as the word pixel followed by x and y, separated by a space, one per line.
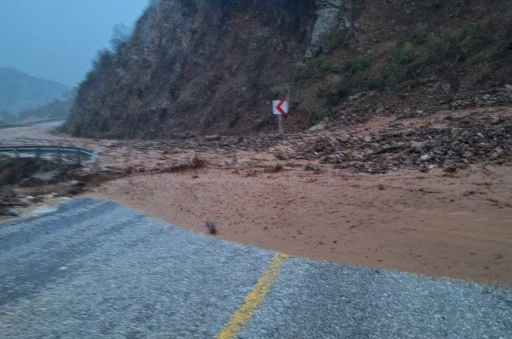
pixel 280 107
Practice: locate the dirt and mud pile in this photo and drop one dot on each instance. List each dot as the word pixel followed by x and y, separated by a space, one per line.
pixel 213 67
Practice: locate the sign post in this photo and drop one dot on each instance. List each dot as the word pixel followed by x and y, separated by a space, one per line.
pixel 280 108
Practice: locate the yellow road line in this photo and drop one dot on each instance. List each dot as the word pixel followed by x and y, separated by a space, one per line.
pixel 242 315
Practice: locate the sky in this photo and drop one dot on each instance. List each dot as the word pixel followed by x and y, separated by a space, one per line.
pixel 57 39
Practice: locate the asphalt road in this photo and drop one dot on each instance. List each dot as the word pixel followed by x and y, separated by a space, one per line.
pixel 96 269
pixel 40 130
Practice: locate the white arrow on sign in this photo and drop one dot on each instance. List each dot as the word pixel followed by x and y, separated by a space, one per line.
pixel 280 107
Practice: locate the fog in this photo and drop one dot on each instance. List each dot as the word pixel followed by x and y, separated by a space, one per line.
pixel 57 39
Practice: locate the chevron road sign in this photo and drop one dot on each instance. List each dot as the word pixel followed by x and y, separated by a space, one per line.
pixel 280 107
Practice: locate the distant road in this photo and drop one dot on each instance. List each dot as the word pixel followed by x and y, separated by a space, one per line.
pixel 96 269
pixel 34 131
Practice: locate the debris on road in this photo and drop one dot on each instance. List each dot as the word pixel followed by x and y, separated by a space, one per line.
pixel 211 227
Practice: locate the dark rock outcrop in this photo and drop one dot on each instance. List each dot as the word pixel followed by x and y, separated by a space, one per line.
pixel 194 66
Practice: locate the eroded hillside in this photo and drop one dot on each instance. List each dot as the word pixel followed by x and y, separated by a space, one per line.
pixel 211 66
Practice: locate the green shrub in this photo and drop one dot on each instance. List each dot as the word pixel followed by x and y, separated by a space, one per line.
pixel 280 91
pixel 319 114
pixel 304 70
pixel 497 52
pixel 323 64
pixel 387 73
pixel 371 83
pixel 301 66
pixel 456 45
pixel 404 54
pixel 358 64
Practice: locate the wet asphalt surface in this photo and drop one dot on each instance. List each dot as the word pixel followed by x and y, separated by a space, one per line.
pixel 97 269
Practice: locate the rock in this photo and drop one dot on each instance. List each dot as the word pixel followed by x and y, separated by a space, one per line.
pixel 211 227
pixel 467 154
pixel 396 123
pixel 438 151
pixel 212 137
pixel 368 138
pixel 425 157
pixel 332 159
pixel 344 138
pixel 498 151
pixel 468 193
pixel 49 196
pixel 280 155
pixel 76 183
pixel 497 120
pixel 321 126
pixel 330 14
pixel 450 169
pixel 38 199
pixel 312 167
pixel 357 96
pixel 46 177
pixel 27 200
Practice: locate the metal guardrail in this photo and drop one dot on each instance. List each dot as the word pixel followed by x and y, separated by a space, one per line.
pixel 59 151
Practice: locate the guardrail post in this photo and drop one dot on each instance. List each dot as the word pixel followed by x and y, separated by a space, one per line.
pixel 95 165
pixel 38 152
pixel 59 156
pixel 78 160
pixel 16 153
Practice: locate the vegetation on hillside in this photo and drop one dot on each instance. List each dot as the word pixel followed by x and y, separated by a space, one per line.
pixel 407 62
pixel 209 67
pixel 57 109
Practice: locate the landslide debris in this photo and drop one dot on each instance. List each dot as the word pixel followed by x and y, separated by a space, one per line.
pixel 456 144
pixel 28 181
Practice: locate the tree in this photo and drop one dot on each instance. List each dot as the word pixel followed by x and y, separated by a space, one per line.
pixel 120 35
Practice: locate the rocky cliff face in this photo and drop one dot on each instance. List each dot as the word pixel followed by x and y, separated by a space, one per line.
pixel 213 66
pixel 201 66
